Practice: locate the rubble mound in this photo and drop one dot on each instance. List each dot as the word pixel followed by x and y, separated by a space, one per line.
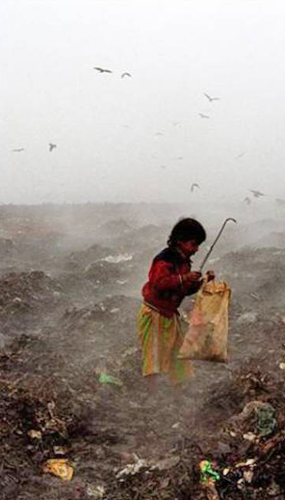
pixel 80 259
pixel 114 227
pixel 23 295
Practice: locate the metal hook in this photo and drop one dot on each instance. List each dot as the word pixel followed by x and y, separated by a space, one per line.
pixel 215 241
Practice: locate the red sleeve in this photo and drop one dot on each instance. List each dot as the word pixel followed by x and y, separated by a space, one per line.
pixel 163 278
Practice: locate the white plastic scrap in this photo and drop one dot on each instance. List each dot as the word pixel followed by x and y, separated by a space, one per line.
pixel 96 492
pixel 248 475
pixel 132 469
pixel 121 282
pixel 115 259
pixel 249 462
pixel 250 436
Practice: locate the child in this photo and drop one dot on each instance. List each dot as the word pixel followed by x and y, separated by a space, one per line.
pixel 170 280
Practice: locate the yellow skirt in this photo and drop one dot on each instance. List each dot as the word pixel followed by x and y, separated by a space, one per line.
pixel 161 339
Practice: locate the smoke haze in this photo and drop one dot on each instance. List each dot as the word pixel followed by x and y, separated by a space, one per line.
pixel 141 138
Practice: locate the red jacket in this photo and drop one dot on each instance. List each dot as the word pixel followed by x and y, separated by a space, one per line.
pixel 164 289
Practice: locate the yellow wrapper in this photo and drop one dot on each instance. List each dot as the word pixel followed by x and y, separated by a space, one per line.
pixel 59 467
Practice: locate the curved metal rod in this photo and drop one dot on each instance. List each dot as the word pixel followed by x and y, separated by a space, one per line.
pixel 215 241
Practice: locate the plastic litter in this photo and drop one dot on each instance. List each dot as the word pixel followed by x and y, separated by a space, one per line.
pixel 207 472
pixel 208 478
pixel 250 436
pixel 96 492
pixel 132 469
pixel 59 467
pixel 266 420
pixel 105 378
pixel 34 434
pixel 139 464
pixel 248 463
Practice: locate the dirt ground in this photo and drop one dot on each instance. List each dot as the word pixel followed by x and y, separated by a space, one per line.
pixel 70 280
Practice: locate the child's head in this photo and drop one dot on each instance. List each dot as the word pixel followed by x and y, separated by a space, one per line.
pixel 187 230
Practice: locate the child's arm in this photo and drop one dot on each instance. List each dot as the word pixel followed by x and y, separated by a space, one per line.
pixel 192 282
pixel 163 278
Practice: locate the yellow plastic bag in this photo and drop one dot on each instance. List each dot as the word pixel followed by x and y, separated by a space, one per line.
pixel 59 467
pixel 207 336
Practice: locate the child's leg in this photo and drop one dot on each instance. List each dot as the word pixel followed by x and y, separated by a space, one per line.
pixel 152 383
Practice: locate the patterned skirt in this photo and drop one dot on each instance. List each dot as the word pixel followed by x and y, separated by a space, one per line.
pixel 161 339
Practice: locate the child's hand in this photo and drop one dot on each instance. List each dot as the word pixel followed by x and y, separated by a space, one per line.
pixel 191 277
pixel 210 275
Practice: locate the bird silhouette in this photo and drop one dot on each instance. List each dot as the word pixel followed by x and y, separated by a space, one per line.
pixel 247 200
pixel 159 133
pixel 18 150
pixel 51 147
pixel 211 99
pixel 102 70
pixel 280 202
pixel 179 158
pixel 193 186
pixel 163 167
pixel 256 193
pixel 203 116
pixel 126 74
pixel 240 155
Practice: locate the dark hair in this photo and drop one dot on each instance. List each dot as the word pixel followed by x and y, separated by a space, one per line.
pixel 185 230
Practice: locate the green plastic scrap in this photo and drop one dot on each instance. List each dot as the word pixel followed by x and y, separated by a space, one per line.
pixel 207 472
pixel 266 420
pixel 104 378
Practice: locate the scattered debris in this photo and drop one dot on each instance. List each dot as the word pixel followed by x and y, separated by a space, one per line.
pixel 59 467
pixel 105 378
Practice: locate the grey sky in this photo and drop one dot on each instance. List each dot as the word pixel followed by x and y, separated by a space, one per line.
pixel 105 127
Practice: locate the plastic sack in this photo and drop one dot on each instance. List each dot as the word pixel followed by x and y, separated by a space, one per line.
pixel 207 336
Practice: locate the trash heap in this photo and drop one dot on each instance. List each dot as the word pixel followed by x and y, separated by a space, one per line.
pixel 245 460
pixel 71 441
pixel 22 295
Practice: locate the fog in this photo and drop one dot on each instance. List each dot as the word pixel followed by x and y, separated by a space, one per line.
pixel 140 137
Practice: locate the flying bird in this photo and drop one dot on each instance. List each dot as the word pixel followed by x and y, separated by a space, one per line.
pixel 203 116
pixel 18 150
pixel 51 147
pixel 240 155
pixel 159 133
pixel 179 158
pixel 126 74
pixel 280 202
pixel 102 70
pixel 163 167
pixel 256 193
pixel 211 99
pixel 247 200
pixel 194 185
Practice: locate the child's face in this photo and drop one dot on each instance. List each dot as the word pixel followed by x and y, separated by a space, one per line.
pixel 189 247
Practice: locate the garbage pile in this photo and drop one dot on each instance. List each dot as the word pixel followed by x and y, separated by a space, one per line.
pixel 245 460
pixel 78 260
pixel 6 247
pixel 22 295
pixel 95 269
pixel 80 440
pixel 110 323
pixel 255 275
